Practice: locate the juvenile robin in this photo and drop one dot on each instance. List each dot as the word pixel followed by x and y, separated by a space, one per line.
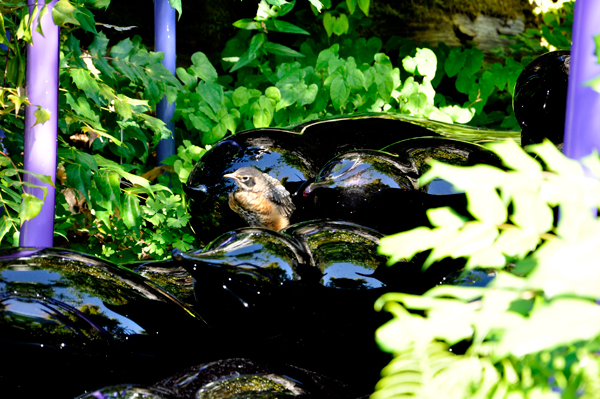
pixel 260 199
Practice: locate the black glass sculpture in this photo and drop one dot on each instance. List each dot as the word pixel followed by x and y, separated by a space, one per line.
pixel 247 378
pixel 540 98
pixel 75 322
pixel 279 153
pixel 381 189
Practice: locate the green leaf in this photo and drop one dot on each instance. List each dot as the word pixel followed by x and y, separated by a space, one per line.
pixel 256 43
pixel 189 81
pixel 248 24
pixel 130 211
pixel 79 177
pixel 317 4
pixel 339 92
pixel 278 49
pixel 364 6
pixel 42 115
pixel 88 84
pixel 341 25
pixel 328 22
pixel 176 4
pixel 46 179
pixel 273 93
pixel 86 20
pixel 356 79
pixel 63 13
pixel 108 184
pixel 43 12
pixel 212 93
pixel 285 27
pixel 464 82
pixel 87 160
pixel 203 68
pixel 30 207
pixel 263 112
pixel 455 61
pixel 241 95
pixel 474 61
pixel 446 217
pixel 351 5
pixel 424 63
pixel 459 114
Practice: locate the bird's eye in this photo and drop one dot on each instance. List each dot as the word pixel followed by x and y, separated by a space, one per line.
pixel 245 178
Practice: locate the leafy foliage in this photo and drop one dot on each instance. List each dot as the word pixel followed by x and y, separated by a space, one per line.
pixel 534 331
pixel 112 202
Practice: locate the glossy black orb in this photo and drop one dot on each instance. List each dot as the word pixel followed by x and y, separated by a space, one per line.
pixel 70 322
pixel 380 189
pixel 540 98
pixel 247 378
pixel 279 153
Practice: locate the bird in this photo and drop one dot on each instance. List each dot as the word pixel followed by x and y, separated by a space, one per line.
pixel 260 199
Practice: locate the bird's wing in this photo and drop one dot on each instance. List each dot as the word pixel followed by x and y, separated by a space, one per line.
pixel 280 196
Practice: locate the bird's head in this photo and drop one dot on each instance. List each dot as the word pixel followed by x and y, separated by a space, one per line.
pixel 248 179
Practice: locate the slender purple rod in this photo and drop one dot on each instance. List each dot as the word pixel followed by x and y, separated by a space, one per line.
pixel 41 85
pixel 165 19
pixel 582 125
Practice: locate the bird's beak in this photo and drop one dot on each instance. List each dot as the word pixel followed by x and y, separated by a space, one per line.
pixel 230 176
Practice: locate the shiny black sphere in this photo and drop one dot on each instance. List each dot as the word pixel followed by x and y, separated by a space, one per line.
pixel 71 322
pixel 540 98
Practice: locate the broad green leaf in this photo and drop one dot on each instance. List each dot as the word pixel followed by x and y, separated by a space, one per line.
pixel 555 160
pixel 341 25
pixel 87 160
pixel 176 4
pixel 30 207
pixel 79 177
pixel 203 68
pixel 485 205
pixel 241 95
pixel 88 84
pixel 188 80
pixel 500 76
pixel 437 115
pixel 515 157
pixel 86 20
pixel 42 115
pixel 108 184
pixel 446 217
pixel 328 22
pixel 263 112
pixel 63 13
pixel 356 79
pixel 417 104
pixel 273 93
pixel 278 49
pixel 307 95
pixel 405 245
pixel 459 114
pixel 464 82
pixel 5 225
pixel 364 6
pixel 339 92
pixel 472 237
pixel 455 61
pixel 130 211
pixel 351 5
pixel 474 61
pixel 3 40
pixel 212 93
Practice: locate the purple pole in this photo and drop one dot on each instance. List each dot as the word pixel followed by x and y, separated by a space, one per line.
pixel 40 140
pixel 582 126
pixel 164 40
